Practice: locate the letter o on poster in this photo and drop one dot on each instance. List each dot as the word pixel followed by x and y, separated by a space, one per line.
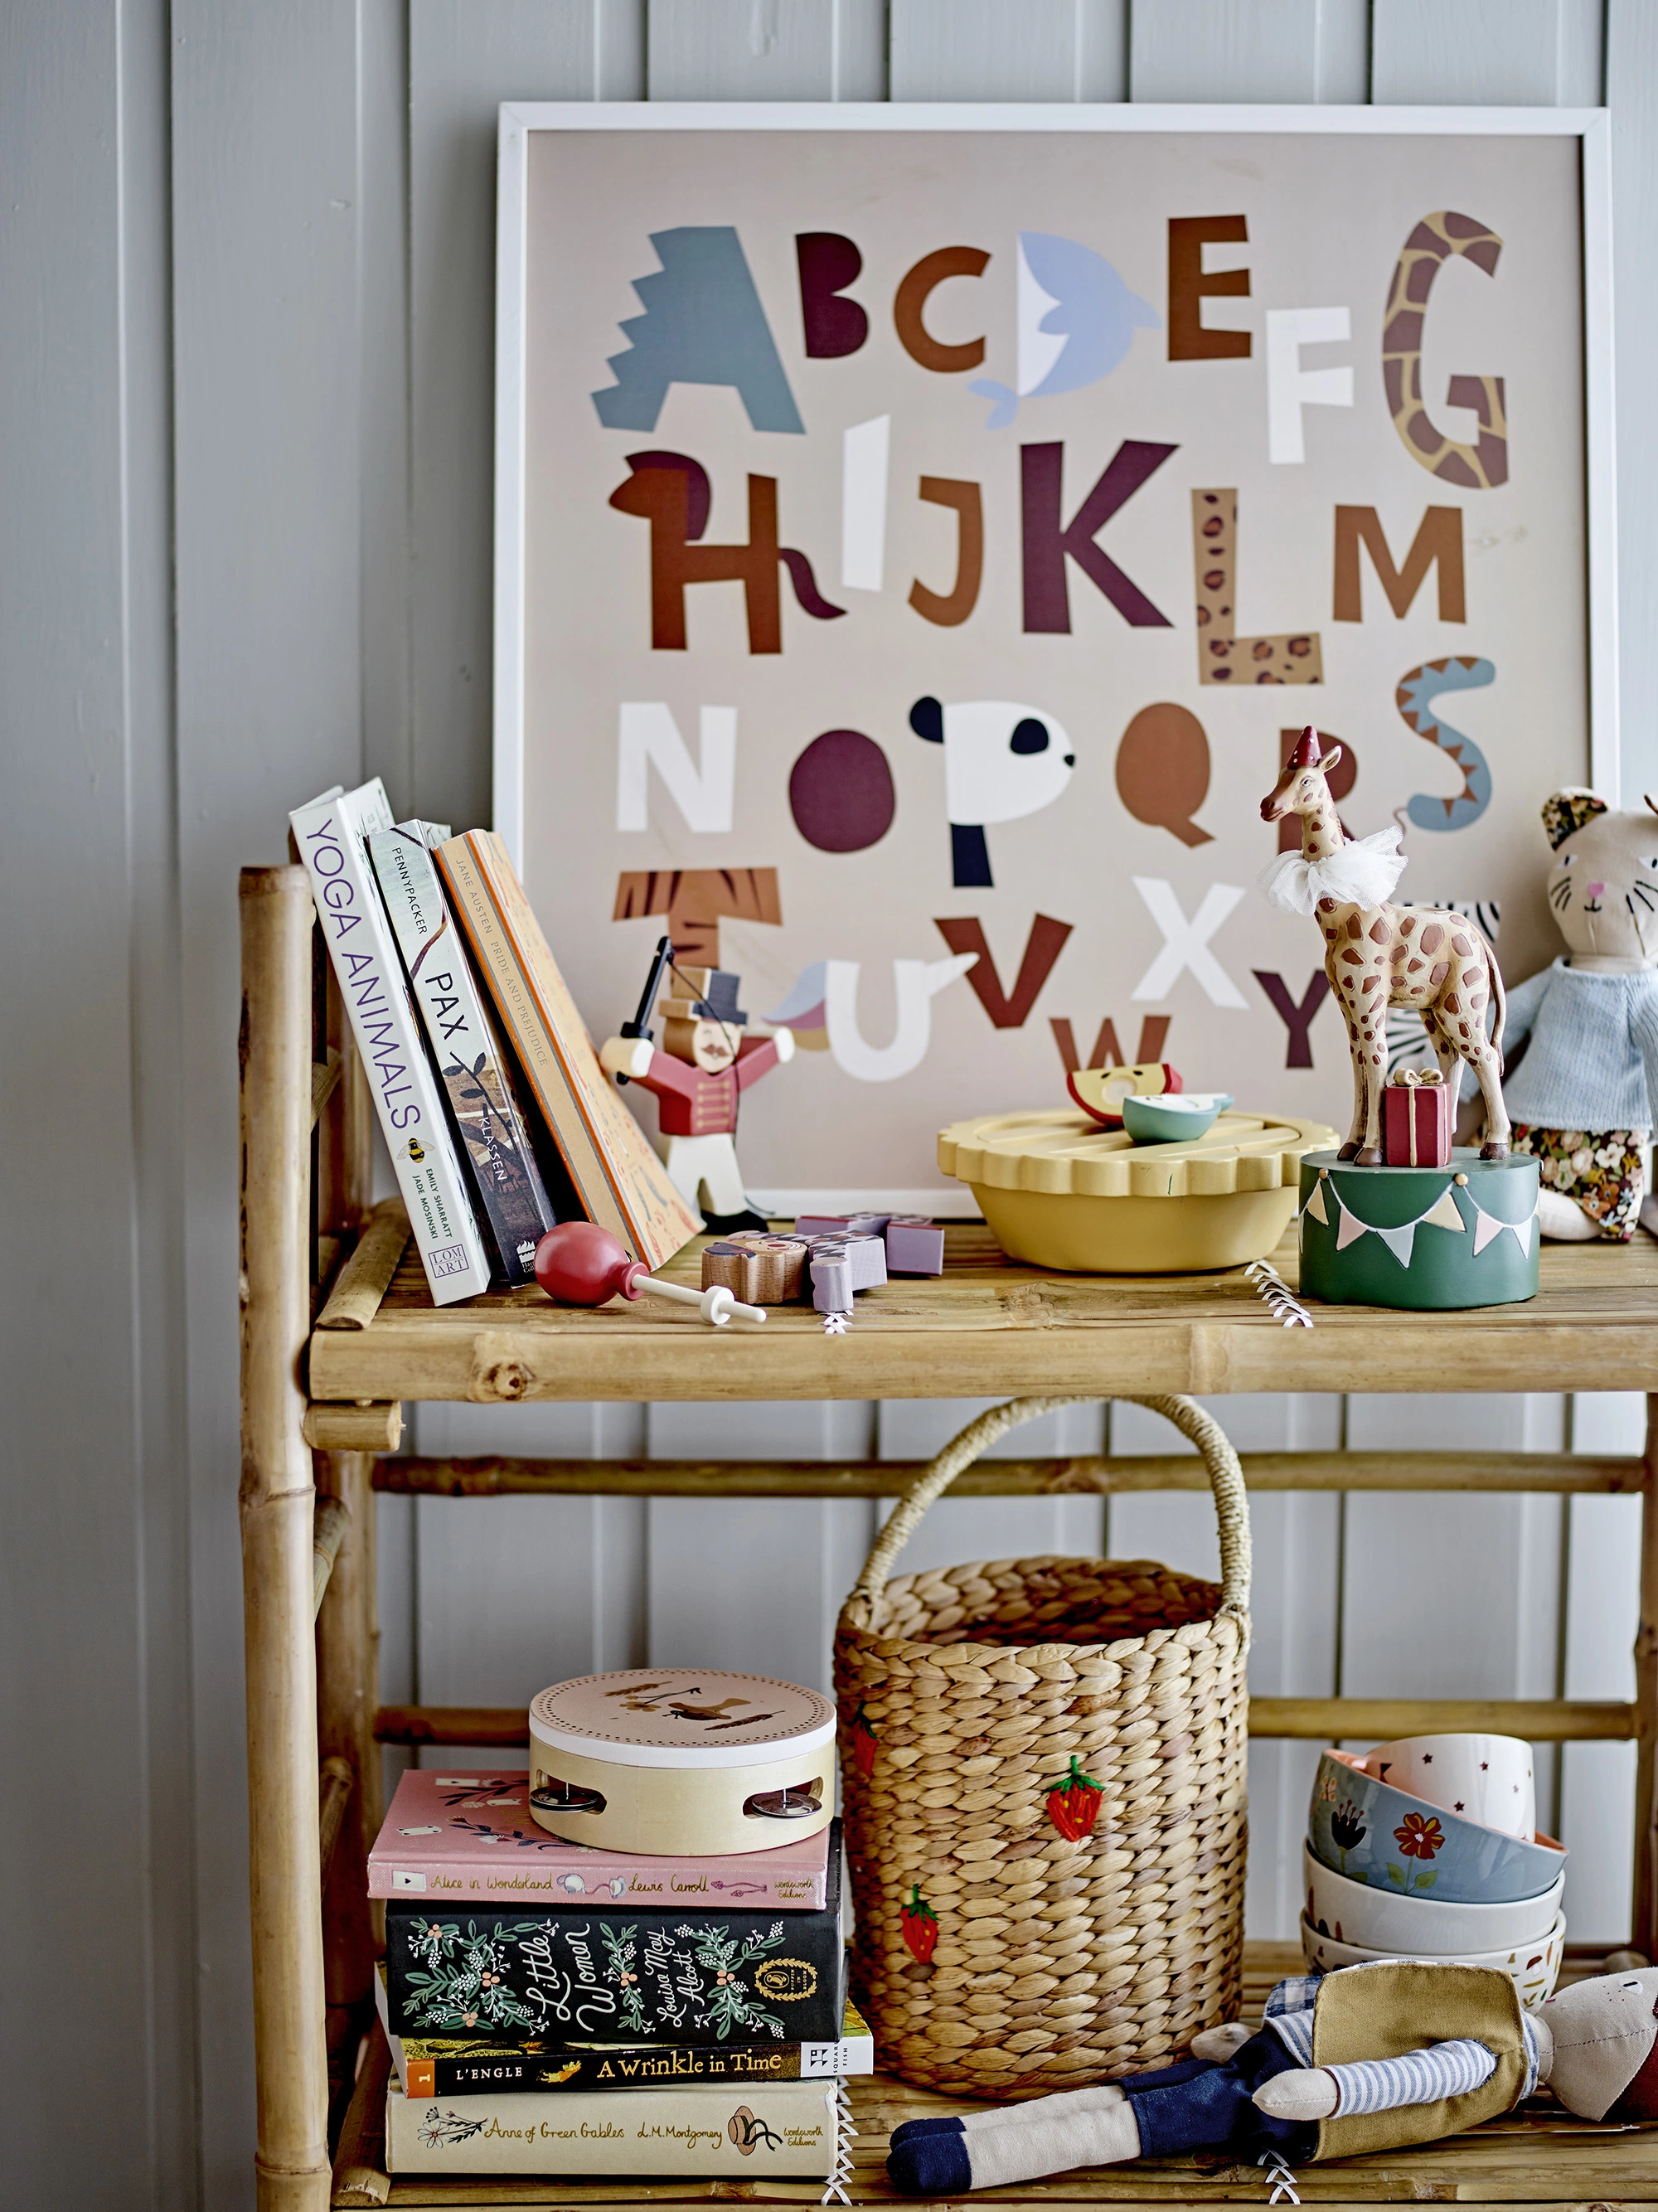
pixel 1163 771
pixel 841 793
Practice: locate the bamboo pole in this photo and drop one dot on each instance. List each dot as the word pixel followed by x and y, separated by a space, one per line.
pixel 1645 1914
pixel 1379 1720
pixel 347 1693
pixel 277 1514
pixel 360 2175
pixel 370 1428
pixel 336 1780
pixel 333 1519
pixel 365 1276
pixel 1327 1720
pixel 498 1477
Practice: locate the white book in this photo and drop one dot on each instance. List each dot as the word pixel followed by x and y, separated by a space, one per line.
pixel 471 1064
pixel 331 834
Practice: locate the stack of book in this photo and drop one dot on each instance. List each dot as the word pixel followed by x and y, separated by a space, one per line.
pixel 555 2010
pixel 494 1106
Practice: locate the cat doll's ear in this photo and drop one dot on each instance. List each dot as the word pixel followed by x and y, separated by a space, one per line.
pixel 1564 812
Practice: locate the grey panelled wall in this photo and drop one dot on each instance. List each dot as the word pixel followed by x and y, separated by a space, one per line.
pixel 246 291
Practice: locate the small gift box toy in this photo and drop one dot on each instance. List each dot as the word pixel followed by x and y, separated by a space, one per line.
pixel 1416 1121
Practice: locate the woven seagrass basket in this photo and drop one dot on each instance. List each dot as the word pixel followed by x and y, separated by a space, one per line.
pixel 1043 1779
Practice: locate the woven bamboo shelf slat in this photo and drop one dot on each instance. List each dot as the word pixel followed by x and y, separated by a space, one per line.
pixel 989 1323
pixel 986 1325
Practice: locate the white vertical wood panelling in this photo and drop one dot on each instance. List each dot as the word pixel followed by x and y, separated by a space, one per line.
pixel 465 58
pixel 1632 96
pixel 767 50
pixel 961 1528
pixel 985 50
pixel 93 1527
pixel 1602 1610
pixel 754 1582
pixel 1248 51
pixel 266 260
pixel 1487 53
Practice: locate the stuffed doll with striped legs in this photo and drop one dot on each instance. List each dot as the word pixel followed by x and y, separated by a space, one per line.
pixel 1369 2058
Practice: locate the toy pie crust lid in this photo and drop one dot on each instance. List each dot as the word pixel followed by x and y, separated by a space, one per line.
pixel 681 1717
pixel 1067 1153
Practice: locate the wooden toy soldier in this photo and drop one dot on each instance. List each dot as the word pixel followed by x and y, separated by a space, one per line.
pixel 699 1076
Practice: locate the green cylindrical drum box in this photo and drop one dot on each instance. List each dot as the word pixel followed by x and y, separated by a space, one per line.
pixel 1431 1238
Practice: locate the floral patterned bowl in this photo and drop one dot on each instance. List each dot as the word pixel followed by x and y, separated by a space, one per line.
pixel 1533 1967
pixel 1374 1834
pixel 1389 1921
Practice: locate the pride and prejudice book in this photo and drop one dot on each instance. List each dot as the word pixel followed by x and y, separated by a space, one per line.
pixel 700 2130
pixel 608 1972
pixel 463 1838
pixel 463 2066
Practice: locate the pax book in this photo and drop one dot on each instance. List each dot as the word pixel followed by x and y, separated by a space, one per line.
pixel 460 1839
pixel 331 834
pixel 464 2066
pixel 476 1071
pixel 610 1971
pixel 757 2133
pixel 618 1179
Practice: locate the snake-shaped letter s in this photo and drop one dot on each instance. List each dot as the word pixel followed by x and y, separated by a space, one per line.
pixel 1458 672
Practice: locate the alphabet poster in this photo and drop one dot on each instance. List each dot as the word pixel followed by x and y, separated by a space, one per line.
pixel 929 541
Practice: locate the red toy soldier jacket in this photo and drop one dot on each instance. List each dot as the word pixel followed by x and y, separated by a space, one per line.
pixel 691 1103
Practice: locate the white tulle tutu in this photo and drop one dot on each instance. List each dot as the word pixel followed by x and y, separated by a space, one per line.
pixel 1362 873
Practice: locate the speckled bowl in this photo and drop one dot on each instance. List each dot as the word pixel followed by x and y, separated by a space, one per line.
pixel 1534 1968
pixel 1386 1919
pixel 1374 1834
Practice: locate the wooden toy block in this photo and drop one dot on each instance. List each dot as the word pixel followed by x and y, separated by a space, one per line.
pixel 915 1245
pixel 842 1225
pixel 766 1270
pixel 831 1276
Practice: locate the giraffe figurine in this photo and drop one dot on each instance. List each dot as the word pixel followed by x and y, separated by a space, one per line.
pixel 1378 955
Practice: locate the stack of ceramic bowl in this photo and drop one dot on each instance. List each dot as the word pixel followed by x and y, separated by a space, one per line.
pixel 1427 1849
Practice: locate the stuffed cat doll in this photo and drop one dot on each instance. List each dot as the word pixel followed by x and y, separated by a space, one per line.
pixel 1368 2058
pixel 1582 1099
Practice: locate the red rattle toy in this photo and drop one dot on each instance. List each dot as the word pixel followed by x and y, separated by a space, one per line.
pixel 580 1264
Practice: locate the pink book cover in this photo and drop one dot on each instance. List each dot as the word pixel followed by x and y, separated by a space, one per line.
pixel 474 1836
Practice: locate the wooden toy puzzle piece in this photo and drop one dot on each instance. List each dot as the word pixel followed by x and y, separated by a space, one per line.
pixel 915 1245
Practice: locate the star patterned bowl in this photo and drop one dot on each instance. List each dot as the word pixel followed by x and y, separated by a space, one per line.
pixel 1374 1834
pixel 1533 1967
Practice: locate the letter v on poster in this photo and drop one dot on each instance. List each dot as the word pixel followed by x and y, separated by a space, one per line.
pixel 894 522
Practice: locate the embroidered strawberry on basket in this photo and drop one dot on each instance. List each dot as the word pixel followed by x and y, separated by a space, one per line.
pixel 919 1924
pixel 1073 1805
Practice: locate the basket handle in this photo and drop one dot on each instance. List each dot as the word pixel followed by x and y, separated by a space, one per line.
pixel 1225 1480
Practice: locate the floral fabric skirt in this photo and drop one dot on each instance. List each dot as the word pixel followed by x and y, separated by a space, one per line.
pixel 1599 1170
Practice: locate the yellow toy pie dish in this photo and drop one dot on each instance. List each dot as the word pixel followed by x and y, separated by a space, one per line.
pixel 1060 1191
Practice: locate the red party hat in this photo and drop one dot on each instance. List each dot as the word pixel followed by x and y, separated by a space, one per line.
pixel 1306 754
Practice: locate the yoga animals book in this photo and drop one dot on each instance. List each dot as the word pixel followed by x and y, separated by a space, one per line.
pixel 461 1839
pixel 613 1971
pixel 331 836
pixel 464 2066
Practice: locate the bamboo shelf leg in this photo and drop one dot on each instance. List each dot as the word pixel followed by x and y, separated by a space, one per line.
pixel 1646 1704
pixel 347 1676
pixel 277 1507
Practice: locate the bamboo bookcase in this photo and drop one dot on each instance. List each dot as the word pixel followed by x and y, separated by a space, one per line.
pixel 338 1332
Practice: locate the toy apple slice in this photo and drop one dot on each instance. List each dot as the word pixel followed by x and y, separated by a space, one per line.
pixel 1100 1091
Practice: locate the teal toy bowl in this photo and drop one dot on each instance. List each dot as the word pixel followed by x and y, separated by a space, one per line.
pixel 1431 1239
pixel 1374 1834
pixel 1165 1120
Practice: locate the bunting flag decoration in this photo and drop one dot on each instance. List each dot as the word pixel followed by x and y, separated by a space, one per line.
pixel 1401 1238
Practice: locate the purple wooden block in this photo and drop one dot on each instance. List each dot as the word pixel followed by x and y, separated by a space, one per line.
pixel 831 1277
pixel 842 1225
pixel 915 1246
pixel 868 1255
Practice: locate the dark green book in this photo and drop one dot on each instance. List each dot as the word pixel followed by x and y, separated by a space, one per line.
pixel 573 1976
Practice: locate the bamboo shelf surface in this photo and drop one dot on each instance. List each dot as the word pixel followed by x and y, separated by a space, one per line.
pixel 1537 2154
pixel 990 1325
